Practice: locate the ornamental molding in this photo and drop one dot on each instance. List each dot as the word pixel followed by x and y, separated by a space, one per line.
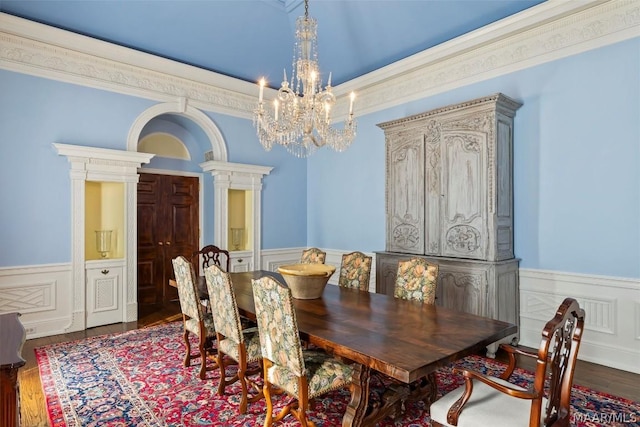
pixel 549 31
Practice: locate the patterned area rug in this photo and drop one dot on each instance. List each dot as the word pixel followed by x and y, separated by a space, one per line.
pixel 136 378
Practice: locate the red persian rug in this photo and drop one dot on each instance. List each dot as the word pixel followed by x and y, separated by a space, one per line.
pixel 136 378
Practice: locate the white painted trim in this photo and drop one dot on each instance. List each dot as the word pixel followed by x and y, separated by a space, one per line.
pixel 236 176
pixel 612 308
pixel 181 107
pixel 100 164
pixel 549 31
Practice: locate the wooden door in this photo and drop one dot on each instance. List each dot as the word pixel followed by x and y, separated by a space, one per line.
pixel 167 227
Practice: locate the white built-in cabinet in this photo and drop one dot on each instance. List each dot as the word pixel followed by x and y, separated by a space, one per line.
pixel 104 292
pixel 449 199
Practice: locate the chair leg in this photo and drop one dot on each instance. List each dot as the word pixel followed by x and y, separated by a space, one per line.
pixel 243 382
pixel 223 373
pixel 187 356
pixel 203 356
pixel 268 418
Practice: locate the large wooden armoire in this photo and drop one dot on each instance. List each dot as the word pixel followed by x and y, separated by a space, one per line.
pixel 449 199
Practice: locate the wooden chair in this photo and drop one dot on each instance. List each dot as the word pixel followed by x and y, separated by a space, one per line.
pixel 210 255
pixel 302 375
pixel 194 317
pixel 489 401
pixel 241 345
pixel 313 256
pixel 416 280
pixel 355 270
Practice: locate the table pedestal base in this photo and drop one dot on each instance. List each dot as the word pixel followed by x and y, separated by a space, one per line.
pixel 393 402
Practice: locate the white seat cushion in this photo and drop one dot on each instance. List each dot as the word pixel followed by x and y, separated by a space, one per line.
pixel 486 407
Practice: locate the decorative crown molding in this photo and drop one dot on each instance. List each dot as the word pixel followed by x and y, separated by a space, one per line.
pixel 546 32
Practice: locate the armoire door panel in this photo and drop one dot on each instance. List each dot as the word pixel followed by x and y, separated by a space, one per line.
pixel 463 223
pixel 405 202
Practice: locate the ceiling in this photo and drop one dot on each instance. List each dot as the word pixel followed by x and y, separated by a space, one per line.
pixel 249 39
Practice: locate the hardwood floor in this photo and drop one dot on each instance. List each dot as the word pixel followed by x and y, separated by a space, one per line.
pixel 34 414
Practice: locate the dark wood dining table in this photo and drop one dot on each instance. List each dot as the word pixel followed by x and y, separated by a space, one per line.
pixel 404 340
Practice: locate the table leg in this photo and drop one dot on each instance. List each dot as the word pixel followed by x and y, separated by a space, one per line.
pixel 357 408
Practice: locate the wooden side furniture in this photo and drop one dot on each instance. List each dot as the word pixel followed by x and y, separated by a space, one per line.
pixel 449 199
pixel 491 401
pixel 405 340
pixel 12 336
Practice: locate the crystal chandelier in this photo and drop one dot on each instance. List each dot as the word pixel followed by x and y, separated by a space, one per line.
pixel 301 115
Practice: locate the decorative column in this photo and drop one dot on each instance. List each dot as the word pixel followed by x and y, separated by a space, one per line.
pixel 236 176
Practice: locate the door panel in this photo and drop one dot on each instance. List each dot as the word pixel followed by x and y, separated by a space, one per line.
pixel 167 227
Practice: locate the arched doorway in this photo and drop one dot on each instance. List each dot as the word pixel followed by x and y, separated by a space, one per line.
pixel 169 195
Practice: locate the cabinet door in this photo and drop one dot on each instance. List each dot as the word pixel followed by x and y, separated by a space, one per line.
pixel 240 264
pixel 104 290
pixel 464 204
pixel 405 193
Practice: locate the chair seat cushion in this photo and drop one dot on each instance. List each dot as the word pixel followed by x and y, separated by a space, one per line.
pixel 251 342
pixel 486 407
pixel 192 325
pixel 324 373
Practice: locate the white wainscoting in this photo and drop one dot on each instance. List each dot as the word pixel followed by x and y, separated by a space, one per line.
pixel 612 309
pixel 42 294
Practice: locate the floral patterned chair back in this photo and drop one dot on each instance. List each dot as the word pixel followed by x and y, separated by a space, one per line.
pixel 241 345
pixel 313 256
pixel 224 307
pixel 194 317
pixel 416 280
pixel 355 271
pixel 189 302
pixel 279 339
pixel 303 375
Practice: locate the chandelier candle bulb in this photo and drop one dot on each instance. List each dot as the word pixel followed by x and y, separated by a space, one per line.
pixel 353 96
pixel 275 106
pixel 262 83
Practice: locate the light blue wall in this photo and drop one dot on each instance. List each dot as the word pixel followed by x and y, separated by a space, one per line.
pixel 35 213
pixel 35 225
pixel 576 167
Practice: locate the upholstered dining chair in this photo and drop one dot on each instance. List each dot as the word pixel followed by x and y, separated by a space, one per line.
pixel 195 318
pixel 211 255
pixel 494 401
pixel 416 280
pixel 313 256
pixel 302 375
pixel 241 345
pixel 355 270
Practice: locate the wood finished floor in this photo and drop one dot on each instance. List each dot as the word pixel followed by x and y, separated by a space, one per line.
pixel 34 413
